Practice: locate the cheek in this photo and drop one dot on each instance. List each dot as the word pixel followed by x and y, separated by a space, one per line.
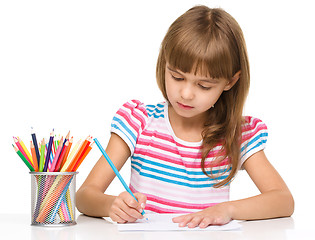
pixel 210 99
pixel 169 88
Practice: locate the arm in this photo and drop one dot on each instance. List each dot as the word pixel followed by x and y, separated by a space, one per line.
pixel 90 198
pixel 275 199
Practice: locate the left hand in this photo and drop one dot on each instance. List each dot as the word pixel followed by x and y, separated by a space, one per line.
pixel 216 215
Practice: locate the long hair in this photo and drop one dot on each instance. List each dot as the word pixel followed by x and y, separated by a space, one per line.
pixel 211 42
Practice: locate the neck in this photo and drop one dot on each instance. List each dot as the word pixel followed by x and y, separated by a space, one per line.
pixel 186 128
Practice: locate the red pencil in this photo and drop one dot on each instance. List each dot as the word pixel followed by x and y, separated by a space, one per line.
pixel 61 156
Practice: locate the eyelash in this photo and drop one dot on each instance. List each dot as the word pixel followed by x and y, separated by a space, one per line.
pixel 177 79
pixel 180 79
pixel 204 88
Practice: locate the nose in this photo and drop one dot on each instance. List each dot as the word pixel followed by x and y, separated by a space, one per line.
pixel 187 92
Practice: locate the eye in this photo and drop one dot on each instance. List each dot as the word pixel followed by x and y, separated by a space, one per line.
pixel 177 78
pixel 204 87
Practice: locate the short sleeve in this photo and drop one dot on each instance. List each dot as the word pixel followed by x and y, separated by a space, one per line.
pixel 129 121
pixel 254 138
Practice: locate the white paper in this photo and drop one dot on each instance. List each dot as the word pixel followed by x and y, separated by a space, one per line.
pixel 163 222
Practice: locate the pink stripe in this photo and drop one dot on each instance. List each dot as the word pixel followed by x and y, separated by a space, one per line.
pixel 172 203
pixel 157 209
pixel 181 153
pixel 166 137
pixel 251 123
pixel 135 114
pixel 176 160
pixel 168 148
pixel 128 118
pixel 249 135
pixel 196 196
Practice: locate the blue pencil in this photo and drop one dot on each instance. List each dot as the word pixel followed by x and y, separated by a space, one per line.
pixel 49 150
pixel 35 145
pixel 115 169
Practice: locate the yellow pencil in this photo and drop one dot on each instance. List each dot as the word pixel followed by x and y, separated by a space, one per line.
pixel 25 150
pixel 71 155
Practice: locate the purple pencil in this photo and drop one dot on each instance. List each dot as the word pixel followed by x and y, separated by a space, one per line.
pixel 49 150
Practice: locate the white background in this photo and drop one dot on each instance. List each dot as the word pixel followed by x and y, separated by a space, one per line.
pixel 69 65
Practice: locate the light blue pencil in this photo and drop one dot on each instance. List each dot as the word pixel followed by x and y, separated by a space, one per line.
pixel 115 169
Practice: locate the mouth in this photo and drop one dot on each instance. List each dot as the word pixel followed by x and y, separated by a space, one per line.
pixel 183 106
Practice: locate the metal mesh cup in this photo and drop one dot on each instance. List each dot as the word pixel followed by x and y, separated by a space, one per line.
pixel 53 198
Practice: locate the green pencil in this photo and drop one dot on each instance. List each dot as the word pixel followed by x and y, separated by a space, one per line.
pixel 23 159
pixel 42 156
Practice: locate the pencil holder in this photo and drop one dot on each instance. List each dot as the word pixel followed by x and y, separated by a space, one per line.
pixel 53 198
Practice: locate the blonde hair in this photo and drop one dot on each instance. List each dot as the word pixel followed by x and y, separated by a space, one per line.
pixel 210 42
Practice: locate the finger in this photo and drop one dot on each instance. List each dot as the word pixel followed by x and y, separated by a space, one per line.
pixel 182 220
pixel 129 200
pixel 194 222
pixel 132 214
pixel 116 218
pixel 142 199
pixel 124 214
pixel 206 221
pixel 179 218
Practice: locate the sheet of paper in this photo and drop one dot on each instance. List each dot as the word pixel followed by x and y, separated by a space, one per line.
pixel 163 222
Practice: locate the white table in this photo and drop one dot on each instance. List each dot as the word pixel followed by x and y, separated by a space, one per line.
pixel 17 226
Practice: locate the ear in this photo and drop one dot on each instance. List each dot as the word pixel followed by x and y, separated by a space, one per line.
pixel 233 80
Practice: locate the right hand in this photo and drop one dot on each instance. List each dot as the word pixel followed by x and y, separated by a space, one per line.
pixel 126 209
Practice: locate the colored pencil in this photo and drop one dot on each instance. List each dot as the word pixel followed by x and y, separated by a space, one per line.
pixel 35 163
pixel 42 156
pixel 61 156
pixel 71 155
pixel 54 162
pixel 51 139
pixel 29 157
pixel 30 167
pixel 79 154
pixel 115 170
pixel 86 152
pixel 18 144
pixel 67 153
pixel 35 146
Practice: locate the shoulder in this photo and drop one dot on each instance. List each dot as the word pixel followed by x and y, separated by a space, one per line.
pixel 136 114
pixel 254 137
pixel 147 110
pixel 252 125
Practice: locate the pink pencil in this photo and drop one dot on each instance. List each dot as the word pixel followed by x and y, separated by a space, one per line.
pixel 52 167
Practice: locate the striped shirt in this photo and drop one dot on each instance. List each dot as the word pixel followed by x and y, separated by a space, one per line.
pixel 168 169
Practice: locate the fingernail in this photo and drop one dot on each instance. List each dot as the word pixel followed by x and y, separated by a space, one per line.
pixel 142 205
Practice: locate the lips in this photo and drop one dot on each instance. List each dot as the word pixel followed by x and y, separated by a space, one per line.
pixel 185 107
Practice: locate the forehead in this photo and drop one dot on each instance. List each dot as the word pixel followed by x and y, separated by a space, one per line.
pixel 198 75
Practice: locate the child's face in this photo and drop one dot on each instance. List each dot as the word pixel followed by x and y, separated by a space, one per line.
pixel 192 95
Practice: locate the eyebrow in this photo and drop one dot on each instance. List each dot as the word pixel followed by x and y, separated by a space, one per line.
pixel 210 80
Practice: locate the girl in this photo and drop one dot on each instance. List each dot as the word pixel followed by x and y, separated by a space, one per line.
pixel 186 151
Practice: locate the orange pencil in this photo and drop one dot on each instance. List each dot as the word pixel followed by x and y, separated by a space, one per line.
pixel 82 157
pixel 78 154
pixel 35 162
pixel 67 153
